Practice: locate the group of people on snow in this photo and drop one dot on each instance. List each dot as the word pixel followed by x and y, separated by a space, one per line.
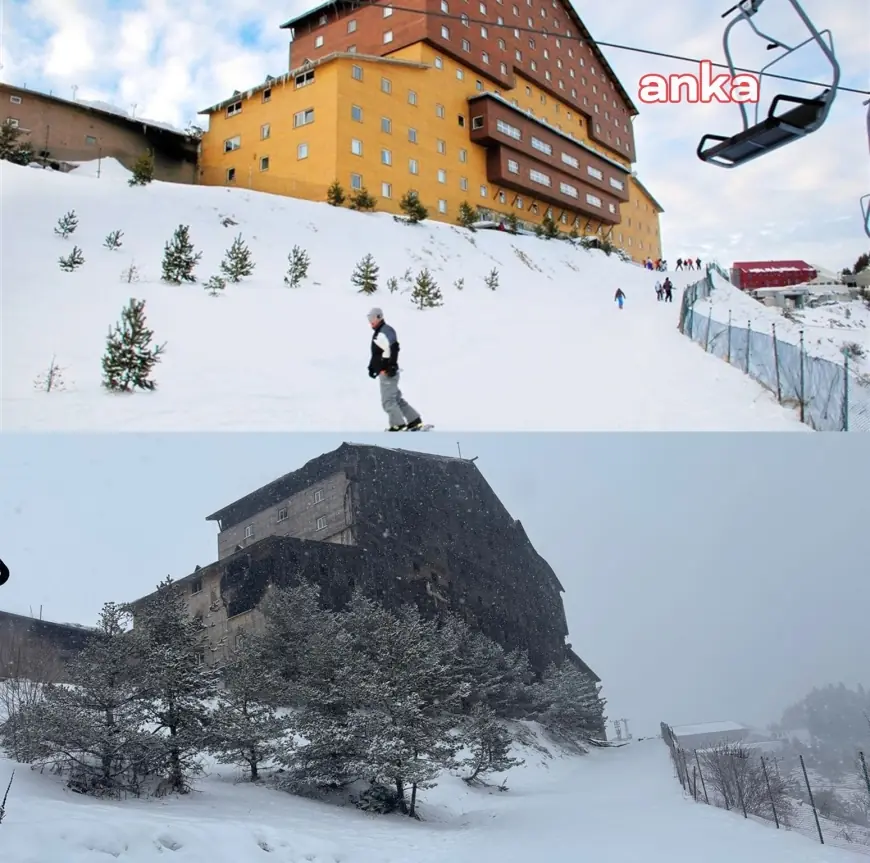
pixel 665 291
pixel 688 264
pixel 658 264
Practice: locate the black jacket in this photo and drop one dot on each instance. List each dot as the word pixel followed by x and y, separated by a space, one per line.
pixel 385 351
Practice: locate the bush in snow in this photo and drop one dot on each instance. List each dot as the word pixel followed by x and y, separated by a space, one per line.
pixel 854 351
pixel 129 358
pixel 365 275
pixel 143 170
pixel 10 148
pixel 467 215
pixel 335 196
pixel 491 281
pixel 67 224
pixel 180 258
pixel 52 379
pixel 459 284
pixel 130 274
pixel 113 240
pixel 512 222
pixel 411 205
pixel 392 284
pixel 548 228
pixel 237 262
pixel 607 247
pixel 298 269
pixel 72 261
pixel 426 293
pixel 214 285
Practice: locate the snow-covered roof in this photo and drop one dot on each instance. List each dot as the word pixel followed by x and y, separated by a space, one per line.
pixel 708 728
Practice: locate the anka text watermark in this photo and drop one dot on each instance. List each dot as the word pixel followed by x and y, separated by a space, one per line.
pixel 704 87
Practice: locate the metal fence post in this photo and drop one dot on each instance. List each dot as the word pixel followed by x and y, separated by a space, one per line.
pixel 748 343
pixel 704 784
pixel 709 324
pixel 776 364
pixel 695 784
pixel 845 392
pixel 803 380
pixel 739 788
pixel 807 780
pixel 729 336
pixel 770 793
pixel 866 776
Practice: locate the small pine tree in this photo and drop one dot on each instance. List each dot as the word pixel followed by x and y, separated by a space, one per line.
pixel 491 281
pixel 237 262
pixel 215 285
pixel 513 224
pixel 179 257
pixel 549 227
pixel 362 200
pixel 488 742
pixel 143 170
pixel 426 293
pixel 411 205
pixel 298 269
pixel 467 215
pixel 459 284
pixel 130 274
pixel 129 358
pixel 335 196
pixel 72 261
pixel 365 276
pixel 10 148
pixel 113 240
pixel 52 379
pixel 67 224
pixel 574 235
pixel 607 247
pixel 392 284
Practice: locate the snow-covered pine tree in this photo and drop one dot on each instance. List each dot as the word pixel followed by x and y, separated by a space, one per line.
pixel 143 170
pixel 67 224
pixel 459 284
pixel 488 742
pixel 130 358
pixel 11 149
pixel 512 222
pixel 72 261
pixel 172 682
pixel 392 284
pixel 365 275
pixel 113 240
pixel 179 257
pixel 244 727
pixel 491 281
pixel 411 205
pixel 569 703
pixel 426 293
pixel 549 227
pixel 298 269
pixel 237 262
pixel 214 285
pixel 467 215
pixel 335 196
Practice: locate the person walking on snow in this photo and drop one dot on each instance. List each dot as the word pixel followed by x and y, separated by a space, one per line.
pixel 658 291
pixel 619 296
pixel 384 365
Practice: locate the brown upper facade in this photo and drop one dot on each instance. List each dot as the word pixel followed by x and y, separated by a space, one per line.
pixel 542 40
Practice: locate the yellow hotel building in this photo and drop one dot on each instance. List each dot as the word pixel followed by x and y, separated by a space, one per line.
pixel 508 106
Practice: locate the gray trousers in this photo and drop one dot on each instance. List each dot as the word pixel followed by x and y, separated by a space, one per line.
pixel 398 410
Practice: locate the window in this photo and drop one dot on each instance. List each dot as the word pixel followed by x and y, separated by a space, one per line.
pixel 484 33
pixel 15 100
pixel 302 151
pixel 386 125
pixel 570 160
pixel 351 25
pixel 460 75
pixel 485 58
pixel 232 143
pixel 282 514
pixel 15 124
pixel 477 122
pixel 445 7
pixel 351 49
pixel 413 166
pixel 386 190
pixel 356 147
pixel 388 10
pixel 386 85
pixel 439 63
pixel 89 139
pixel 318 496
pixel 463 155
pixel 412 97
pixel 304 79
pixel 445 32
pixel 463 184
pixel 386 157
pixel 356 181
pixel 356 72
pixel 412 136
pixel 464 18
pixel 466 45
pixel 617 184
pixel 539 177
pixel 356 113
pixel 439 111
pixel 612 208
pixel 507 129
pixel 513 166
pixel 267 94
pixel 321 522
pixel 318 42
pixel 235 108
pixel 543 146
pixel 249 531
pixel 567 189
pixel 388 37
pixel 265 131
pixel 231 175
pixel 442 205
pixel 442 175
pixel 594 200
pixel 303 118
pixel 442 147
pixel 594 172
pixel 460 118
pixel 196 585
pixel 483 192
pixel 264 163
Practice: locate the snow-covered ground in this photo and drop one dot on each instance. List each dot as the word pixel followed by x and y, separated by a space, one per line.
pixel 612 806
pixel 547 350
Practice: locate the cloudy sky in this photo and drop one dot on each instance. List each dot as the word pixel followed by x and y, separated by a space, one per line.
pixel 170 59
pixel 707 576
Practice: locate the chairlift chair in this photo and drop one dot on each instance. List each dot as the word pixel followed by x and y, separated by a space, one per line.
pixel 768 134
pixel 865 201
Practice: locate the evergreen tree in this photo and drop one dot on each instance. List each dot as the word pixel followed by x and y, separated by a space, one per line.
pixel 512 222
pixel 179 257
pixel 362 200
pixel 365 276
pixel 237 262
pixel 143 170
pixel 298 269
pixel 129 358
pixel 10 148
pixel 574 235
pixel 549 227
pixel 467 215
pixel 392 284
pixel 488 742
pixel 214 285
pixel 426 293
pixel 491 281
pixel 335 196
pixel 67 224
pixel 459 284
pixel 171 684
pixel 411 205
pixel 113 240
pixel 569 703
pixel 72 261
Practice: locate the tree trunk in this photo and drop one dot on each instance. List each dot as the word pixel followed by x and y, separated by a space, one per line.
pixel 400 793
pixel 413 810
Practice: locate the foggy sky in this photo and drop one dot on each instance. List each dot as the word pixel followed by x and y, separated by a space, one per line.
pixel 707 577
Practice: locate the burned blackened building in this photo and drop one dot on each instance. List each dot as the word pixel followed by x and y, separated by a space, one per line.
pixel 402 526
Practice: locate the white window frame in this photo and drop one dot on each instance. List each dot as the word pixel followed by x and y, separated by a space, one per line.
pixel 234 108
pixel 282 513
pixel 301 150
pixel 249 531
pixel 318 496
pixel 303 118
pixel 321 523
pixel 233 144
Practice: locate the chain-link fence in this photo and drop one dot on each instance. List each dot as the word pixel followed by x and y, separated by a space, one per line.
pixel 827 395
pixel 752 782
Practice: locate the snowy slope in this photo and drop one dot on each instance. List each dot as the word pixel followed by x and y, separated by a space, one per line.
pixel 548 350
pixel 613 806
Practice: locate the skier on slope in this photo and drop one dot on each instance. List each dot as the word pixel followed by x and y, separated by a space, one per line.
pixel 619 296
pixel 384 365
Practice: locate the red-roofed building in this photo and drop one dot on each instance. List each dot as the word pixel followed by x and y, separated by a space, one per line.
pixel 750 275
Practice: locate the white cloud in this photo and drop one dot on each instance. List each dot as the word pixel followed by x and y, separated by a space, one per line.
pixel 172 59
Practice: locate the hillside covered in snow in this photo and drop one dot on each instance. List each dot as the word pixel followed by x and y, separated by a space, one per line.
pixel 546 349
